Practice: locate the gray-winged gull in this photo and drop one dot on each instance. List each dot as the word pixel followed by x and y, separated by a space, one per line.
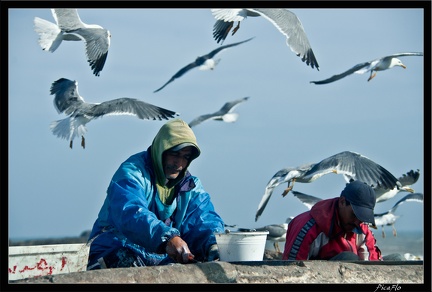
pixel 225 114
pixel 381 219
pixel 205 62
pixel 373 66
pixel 353 166
pixel 67 100
pixel 277 233
pixel 406 181
pixel 389 218
pixel 69 27
pixel 284 20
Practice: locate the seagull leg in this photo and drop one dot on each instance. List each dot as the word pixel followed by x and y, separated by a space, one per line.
pixel 383 233
pixel 394 231
pixel 372 76
pixel 83 142
pixel 289 188
pixel 70 144
pixel 236 28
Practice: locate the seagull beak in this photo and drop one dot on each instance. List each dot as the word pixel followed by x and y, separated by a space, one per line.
pixel 408 189
pixel 334 171
pixel 373 226
pixel 403 66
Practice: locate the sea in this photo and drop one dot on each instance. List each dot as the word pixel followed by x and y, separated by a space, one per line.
pixel 404 242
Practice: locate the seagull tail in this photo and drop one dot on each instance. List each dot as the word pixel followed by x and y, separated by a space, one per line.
pixel 50 35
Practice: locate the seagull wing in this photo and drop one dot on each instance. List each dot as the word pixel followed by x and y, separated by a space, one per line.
pixel 219 115
pixel 179 74
pixel 225 19
pixel 215 51
pixel 307 200
pixel 97 44
pixel 285 175
pixel 67 19
pixel 291 27
pixel 414 197
pixel 344 74
pixel 130 106
pixel 66 96
pixel 409 178
pixel 356 167
pixel 275 230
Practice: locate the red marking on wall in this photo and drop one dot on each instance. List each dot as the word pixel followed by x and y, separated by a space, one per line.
pixel 64 262
pixel 42 265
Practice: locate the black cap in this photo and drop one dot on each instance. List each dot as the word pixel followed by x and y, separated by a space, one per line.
pixel 362 199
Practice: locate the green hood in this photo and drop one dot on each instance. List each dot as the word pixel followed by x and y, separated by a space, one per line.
pixel 171 134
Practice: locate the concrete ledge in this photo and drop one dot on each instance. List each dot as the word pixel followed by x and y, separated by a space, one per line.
pixel 262 272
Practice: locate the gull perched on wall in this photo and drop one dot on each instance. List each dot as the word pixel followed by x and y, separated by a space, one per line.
pixel 277 233
pixel 69 27
pixel 284 20
pixel 225 114
pixel 380 64
pixel 353 166
pixel 67 100
pixel 205 62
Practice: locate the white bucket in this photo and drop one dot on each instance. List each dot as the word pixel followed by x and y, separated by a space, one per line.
pixel 241 246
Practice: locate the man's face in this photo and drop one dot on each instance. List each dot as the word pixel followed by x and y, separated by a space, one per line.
pixel 175 161
pixel 348 219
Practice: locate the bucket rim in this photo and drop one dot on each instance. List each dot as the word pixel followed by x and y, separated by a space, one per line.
pixel 242 233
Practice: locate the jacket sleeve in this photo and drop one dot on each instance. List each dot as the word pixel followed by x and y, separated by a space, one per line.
pixel 300 237
pixel 131 216
pixel 200 222
pixel 370 242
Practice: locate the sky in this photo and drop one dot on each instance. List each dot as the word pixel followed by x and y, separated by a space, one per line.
pixel 55 191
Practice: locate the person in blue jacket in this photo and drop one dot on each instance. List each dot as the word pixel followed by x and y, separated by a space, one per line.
pixel 155 211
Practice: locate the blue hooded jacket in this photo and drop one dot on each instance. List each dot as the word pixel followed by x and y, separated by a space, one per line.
pixel 132 217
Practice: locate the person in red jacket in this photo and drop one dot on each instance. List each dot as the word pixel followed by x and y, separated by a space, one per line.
pixel 335 229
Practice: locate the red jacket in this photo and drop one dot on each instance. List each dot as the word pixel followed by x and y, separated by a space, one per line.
pixel 316 235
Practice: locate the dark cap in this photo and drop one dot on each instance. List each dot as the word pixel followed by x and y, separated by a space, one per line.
pixel 362 199
pixel 181 146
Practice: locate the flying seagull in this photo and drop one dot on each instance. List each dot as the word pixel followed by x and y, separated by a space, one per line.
pixel 69 27
pixel 381 219
pixel 353 166
pixel 205 62
pixel 284 20
pixel 67 100
pixel 225 114
pixel 389 218
pixel 406 181
pixel 277 232
pixel 373 67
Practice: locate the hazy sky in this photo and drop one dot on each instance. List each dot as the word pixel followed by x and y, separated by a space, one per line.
pixel 56 191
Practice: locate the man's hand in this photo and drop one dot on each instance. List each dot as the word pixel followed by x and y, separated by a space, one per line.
pixel 178 250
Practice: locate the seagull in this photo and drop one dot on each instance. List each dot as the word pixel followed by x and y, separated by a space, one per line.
pixel 284 20
pixel 373 66
pixel 67 100
pixel 69 27
pixel 225 114
pixel 389 218
pixel 277 232
pixel 205 62
pixel 352 165
pixel 382 219
pixel 406 181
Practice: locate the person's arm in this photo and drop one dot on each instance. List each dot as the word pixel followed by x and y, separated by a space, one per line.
pixel 370 242
pixel 131 216
pixel 200 223
pixel 299 240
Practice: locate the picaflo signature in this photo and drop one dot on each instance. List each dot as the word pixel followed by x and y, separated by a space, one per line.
pixel 394 287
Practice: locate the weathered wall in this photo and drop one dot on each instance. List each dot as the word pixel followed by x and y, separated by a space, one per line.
pixel 305 272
